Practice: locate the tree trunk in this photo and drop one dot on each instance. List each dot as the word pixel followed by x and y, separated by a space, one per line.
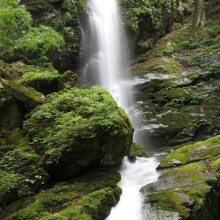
pixel 200 17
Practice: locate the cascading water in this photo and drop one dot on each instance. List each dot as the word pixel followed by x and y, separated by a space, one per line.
pixel 133 177
pixel 106 63
pixel 103 47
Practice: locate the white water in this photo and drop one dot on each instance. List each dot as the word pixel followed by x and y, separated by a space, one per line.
pixel 104 44
pixel 133 177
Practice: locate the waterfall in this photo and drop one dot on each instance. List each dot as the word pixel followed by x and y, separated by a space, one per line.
pixel 106 61
pixel 105 58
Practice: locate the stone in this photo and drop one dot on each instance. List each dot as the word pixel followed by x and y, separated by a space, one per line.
pixel 27 95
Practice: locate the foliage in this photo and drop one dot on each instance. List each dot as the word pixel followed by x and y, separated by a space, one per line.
pixel 135 11
pixel 38 43
pixel 14 22
pixel 64 17
pixel 20 170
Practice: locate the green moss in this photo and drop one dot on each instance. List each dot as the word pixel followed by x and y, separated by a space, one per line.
pixel 15 70
pixel 163 65
pixel 194 172
pixel 193 152
pixel 198 193
pixel 12 187
pixel 138 151
pixel 30 78
pixel 95 205
pixel 175 97
pixel 165 49
pixel 27 95
pixel 215 164
pixel 184 186
pixel 68 80
pixel 45 82
pixel 175 203
pixel 98 192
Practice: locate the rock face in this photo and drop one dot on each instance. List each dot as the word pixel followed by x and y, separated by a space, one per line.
pixel 12 111
pixel 179 89
pixel 146 21
pixel 77 128
pixel 189 181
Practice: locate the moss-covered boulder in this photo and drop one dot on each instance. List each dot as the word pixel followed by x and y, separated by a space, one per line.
pixel 189 181
pixel 27 95
pixel 23 87
pixel 12 111
pixel 77 128
pixel 20 171
pixel 44 81
pixel 68 80
pixel 137 151
pixel 90 196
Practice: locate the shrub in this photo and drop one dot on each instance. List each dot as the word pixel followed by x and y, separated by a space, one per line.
pixel 39 43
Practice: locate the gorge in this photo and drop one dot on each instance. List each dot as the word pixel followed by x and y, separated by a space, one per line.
pixel 63 138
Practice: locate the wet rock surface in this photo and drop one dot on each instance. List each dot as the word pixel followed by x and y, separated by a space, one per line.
pixel 178 97
pixel 189 181
pixel 177 89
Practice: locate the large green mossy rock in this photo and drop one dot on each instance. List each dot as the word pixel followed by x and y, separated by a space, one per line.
pixel 90 196
pixel 77 128
pixel 189 181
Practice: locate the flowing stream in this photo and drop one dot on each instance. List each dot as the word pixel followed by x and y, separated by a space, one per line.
pixel 104 63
